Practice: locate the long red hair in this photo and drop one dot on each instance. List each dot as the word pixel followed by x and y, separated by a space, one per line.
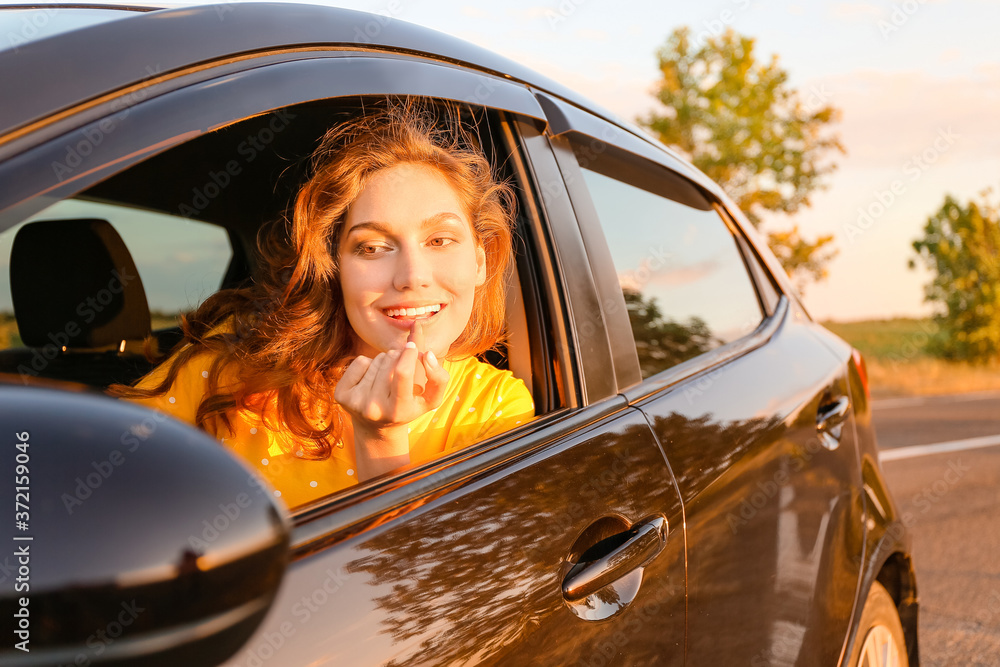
pixel 291 339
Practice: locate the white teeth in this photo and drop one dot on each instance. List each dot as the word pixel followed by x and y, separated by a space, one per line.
pixel 413 312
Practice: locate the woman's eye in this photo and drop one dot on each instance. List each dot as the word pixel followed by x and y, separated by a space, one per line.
pixel 440 242
pixel 369 249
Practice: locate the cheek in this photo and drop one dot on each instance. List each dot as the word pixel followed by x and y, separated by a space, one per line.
pixel 359 284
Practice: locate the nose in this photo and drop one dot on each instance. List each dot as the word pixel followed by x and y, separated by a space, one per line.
pixel 413 268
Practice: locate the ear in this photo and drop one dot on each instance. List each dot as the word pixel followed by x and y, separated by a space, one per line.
pixel 480 265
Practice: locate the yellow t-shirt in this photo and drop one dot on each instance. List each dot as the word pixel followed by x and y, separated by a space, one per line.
pixel 480 401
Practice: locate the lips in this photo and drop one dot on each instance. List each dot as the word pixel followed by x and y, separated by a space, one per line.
pixel 415 313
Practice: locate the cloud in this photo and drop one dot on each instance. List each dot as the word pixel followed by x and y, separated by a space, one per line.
pixel 683 275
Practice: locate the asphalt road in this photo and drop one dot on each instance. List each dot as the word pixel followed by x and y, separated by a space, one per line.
pixel 952 495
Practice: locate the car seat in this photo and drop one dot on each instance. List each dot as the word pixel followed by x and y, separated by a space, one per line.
pixel 79 303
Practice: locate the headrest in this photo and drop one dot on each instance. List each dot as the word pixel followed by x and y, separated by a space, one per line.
pixel 73 283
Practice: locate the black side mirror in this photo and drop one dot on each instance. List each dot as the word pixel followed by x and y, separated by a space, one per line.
pixel 128 538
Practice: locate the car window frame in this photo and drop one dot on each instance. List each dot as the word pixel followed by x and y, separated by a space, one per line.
pixel 363 507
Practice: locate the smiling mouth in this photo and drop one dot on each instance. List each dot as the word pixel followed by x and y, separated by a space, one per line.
pixel 421 313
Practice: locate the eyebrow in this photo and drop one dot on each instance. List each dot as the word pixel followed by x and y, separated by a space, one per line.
pixel 383 228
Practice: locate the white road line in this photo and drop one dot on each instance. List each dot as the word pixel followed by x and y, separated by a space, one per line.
pixel 938 448
pixel 888 403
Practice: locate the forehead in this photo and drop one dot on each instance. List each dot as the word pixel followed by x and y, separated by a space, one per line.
pixel 410 176
pixel 407 193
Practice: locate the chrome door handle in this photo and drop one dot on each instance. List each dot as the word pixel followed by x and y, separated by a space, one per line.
pixel 643 542
pixel 830 420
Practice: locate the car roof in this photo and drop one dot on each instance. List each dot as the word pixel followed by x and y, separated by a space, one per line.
pixel 110 55
pixel 140 42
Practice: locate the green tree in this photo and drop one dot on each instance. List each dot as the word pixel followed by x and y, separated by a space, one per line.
pixel 961 247
pixel 661 342
pixel 740 122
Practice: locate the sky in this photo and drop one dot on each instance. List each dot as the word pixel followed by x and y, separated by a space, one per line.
pixel 917 82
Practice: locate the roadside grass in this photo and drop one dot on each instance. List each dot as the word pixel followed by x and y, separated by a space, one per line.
pixel 9 337
pixel 899 366
pixel 8 331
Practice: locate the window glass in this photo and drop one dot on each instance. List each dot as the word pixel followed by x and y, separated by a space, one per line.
pixel 685 282
pixel 180 262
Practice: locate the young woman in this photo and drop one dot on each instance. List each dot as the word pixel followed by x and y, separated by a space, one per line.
pixel 354 353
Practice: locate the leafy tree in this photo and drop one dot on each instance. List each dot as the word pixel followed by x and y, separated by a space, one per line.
pixel 961 246
pixel 660 342
pixel 740 122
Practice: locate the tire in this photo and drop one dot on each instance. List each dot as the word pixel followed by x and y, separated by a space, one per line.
pixel 880 641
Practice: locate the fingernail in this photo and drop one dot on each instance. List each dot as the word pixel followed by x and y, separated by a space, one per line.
pixel 411 345
pixel 431 359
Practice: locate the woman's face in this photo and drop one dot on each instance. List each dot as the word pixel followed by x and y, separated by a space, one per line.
pixel 407 253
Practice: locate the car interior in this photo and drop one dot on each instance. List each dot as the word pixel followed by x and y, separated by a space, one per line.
pixel 56 265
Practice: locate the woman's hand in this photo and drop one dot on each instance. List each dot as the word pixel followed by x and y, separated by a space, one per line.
pixel 381 398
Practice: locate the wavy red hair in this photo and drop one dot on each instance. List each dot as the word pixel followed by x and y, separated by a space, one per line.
pixel 290 339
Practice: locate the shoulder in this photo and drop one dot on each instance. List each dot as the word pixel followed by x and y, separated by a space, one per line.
pixel 475 377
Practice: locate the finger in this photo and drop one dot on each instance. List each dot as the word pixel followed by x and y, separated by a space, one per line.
pixel 402 382
pixel 437 380
pixel 355 371
pixel 379 388
pixel 416 335
pixel 349 381
pixel 366 387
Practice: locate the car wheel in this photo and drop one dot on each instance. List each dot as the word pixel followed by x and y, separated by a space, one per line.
pixel 880 641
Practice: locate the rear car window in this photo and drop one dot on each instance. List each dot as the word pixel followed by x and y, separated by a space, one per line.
pixel 685 283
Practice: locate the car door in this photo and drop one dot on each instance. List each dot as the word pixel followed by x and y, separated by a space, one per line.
pixel 744 393
pixel 561 541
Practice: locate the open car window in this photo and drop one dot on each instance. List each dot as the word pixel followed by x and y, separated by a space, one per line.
pixel 186 221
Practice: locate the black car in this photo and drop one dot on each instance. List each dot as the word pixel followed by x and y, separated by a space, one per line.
pixel 701 484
